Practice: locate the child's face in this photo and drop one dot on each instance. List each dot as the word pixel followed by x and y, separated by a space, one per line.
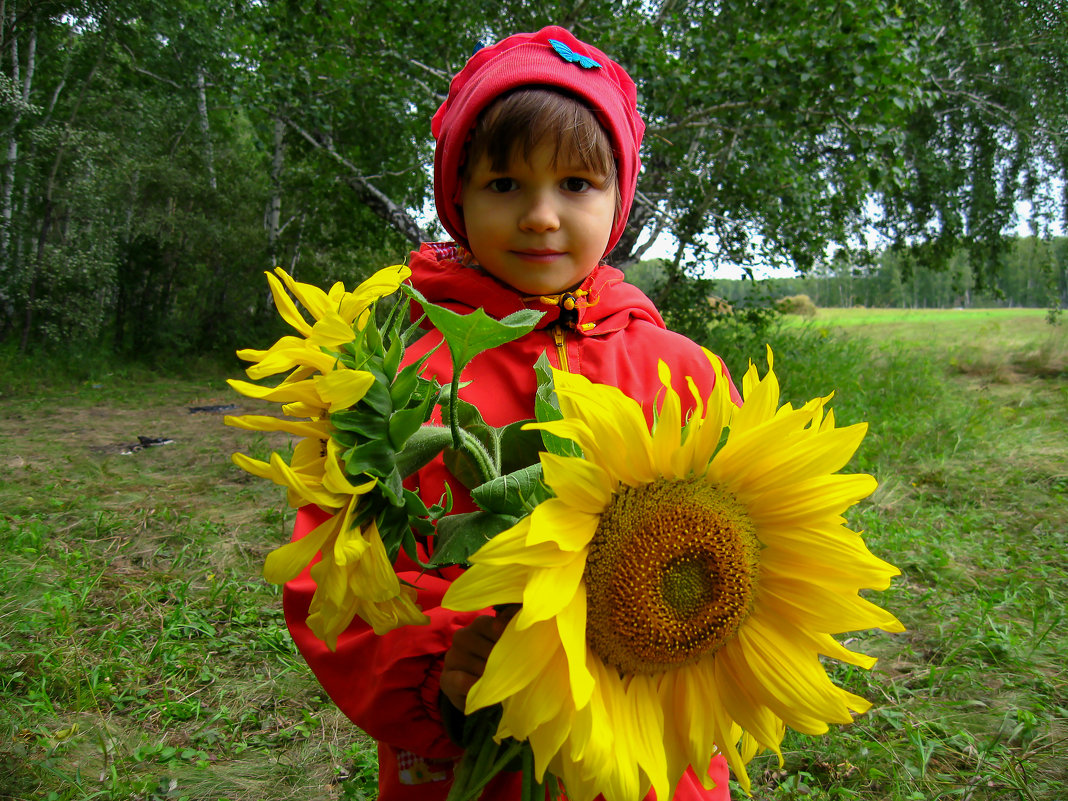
pixel 539 227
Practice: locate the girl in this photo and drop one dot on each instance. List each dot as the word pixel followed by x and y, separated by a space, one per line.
pixel 534 173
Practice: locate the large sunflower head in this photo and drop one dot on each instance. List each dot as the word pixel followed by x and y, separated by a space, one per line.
pixel 679 589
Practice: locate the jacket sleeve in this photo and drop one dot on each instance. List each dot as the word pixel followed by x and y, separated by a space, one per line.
pixel 387 685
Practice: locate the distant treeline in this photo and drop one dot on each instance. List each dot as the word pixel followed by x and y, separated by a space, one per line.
pixel 1034 273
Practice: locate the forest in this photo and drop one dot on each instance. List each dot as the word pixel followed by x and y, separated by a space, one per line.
pixel 1031 273
pixel 156 158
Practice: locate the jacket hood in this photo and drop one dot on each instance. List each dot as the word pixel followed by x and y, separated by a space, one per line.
pixel 605 302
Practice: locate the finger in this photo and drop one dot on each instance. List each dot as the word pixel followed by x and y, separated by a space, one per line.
pixel 505 613
pixel 456 685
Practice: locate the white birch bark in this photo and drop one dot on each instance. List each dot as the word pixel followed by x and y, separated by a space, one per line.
pixel 205 129
pixel 12 151
pixel 274 213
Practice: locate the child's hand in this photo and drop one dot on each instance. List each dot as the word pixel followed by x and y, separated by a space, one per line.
pixel 465 660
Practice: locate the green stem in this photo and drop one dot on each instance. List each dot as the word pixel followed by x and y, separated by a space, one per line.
pixel 482 459
pixel 454 423
pixel 476 770
pixel 530 786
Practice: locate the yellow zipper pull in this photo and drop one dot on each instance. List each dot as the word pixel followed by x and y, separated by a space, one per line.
pixel 561 347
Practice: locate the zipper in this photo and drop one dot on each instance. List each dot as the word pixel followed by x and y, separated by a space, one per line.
pixel 569 316
pixel 561 348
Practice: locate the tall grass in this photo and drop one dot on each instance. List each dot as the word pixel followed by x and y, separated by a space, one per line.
pixel 969 440
pixel 141 657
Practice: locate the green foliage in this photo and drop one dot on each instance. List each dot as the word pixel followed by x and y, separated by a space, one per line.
pixel 1033 273
pixel 160 156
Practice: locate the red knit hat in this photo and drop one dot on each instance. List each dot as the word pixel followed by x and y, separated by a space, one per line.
pixel 552 57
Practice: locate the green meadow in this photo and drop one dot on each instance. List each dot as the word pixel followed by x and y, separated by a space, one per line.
pixel 142 656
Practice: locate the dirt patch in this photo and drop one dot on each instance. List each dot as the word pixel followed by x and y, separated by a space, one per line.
pixel 35 441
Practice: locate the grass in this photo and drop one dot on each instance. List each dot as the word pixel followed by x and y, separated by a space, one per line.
pixel 141 657
pixel 969 440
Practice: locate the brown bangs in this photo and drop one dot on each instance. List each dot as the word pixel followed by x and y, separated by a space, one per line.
pixel 518 122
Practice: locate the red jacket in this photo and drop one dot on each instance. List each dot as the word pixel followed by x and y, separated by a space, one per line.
pixel 388 685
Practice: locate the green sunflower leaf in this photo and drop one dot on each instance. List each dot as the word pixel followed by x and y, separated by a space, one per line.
pixel 422 447
pixel 464 467
pixel 460 535
pixel 518 448
pixel 359 420
pixel 405 383
pixel 392 358
pixel 514 493
pixel 467 335
pixel 377 396
pixel 547 408
pixel 391 488
pixel 375 458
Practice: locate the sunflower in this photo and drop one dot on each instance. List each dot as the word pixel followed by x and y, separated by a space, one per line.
pixel 679 589
pixel 355 575
pixel 319 383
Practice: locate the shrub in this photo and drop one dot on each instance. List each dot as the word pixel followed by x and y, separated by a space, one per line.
pixel 797 304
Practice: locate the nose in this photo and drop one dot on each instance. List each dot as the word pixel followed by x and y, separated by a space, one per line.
pixel 539 213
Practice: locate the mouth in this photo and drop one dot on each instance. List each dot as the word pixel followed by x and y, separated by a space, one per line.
pixel 538 255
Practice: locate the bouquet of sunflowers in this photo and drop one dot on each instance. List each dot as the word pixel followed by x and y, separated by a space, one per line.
pixel 678 581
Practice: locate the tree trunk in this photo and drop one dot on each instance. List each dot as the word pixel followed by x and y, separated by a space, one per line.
pixel 274 213
pixel 205 129
pixel 48 202
pixel 368 193
pixel 8 180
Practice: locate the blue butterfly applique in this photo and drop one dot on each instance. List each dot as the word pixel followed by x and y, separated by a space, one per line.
pixel 567 54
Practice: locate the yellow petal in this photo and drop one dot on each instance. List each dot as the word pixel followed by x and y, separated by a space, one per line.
pixel 282 359
pixel 510 548
pixel 825 610
pixel 849 566
pixel 314 299
pixel 483 586
pixel 648 732
pixel 571 626
pixel 302 489
pixel 549 590
pixel 617 422
pixel 622 781
pixel 334 477
pixel 575 430
pixel 302 391
pixel 578 483
pixel 285 305
pixel 736 692
pixel 331 330
pixel 810 500
pixel 547 740
pixel 531 648
pixel 792 682
pixel 259 422
pixel 667 432
pixel 384 617
pixel 555 521
pixel 255 467
pixel 285 563
pixel 384 282
pixel 373 578
pixel 341 389
pixel 539 703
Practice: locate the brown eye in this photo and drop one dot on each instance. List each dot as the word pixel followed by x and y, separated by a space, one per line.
pixel 502 185
pixel 576 184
